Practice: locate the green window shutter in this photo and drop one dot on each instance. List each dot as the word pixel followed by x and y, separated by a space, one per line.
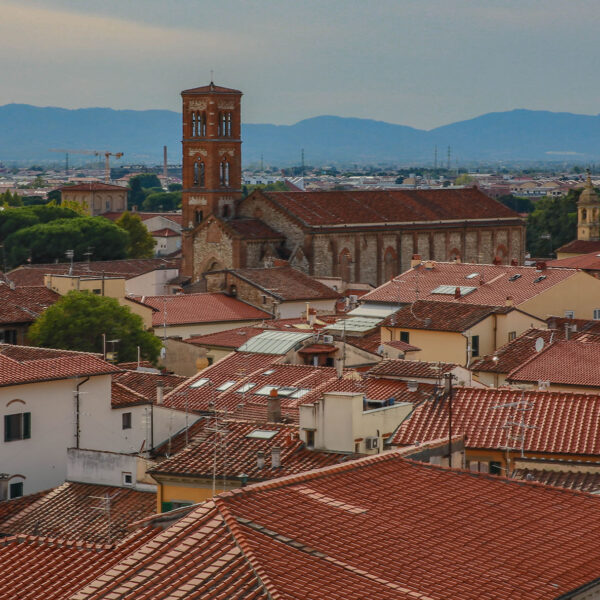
pixel 166 506
pixel 26 425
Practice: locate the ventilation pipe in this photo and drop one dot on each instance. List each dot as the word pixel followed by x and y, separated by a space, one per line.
pixel 260 460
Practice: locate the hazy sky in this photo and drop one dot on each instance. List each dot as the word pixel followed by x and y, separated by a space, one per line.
pixel 422 63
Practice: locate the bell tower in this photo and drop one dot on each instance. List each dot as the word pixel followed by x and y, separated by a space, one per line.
pixel 588 208
pixel 212 159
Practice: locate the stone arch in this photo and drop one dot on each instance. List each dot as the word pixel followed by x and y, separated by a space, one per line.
pixel 390 263
pixel 454 254
pixel 212 264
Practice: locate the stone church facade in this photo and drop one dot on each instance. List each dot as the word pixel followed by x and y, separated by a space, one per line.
pixel 360 236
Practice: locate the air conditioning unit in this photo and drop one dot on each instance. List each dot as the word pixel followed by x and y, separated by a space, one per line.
pixel 328 339
pixel 371 443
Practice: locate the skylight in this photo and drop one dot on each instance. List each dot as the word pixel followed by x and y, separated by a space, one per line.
pixel 286 391
pixel 299 393
pixel 245 388
pixel 200 382
pixel 269 372
pixel 472 276
pixel 266 390
pixel 450 290
pixel 225 386
pixel 262 434
pixel 540 278
pixel 514 277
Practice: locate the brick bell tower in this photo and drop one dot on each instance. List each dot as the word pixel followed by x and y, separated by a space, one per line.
pixel 212 160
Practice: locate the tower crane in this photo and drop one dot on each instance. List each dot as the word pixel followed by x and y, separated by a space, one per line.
pixel 106 154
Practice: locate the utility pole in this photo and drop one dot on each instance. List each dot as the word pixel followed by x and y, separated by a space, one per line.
pixel 450 395
pixel 435 159
pixel 302 162
pixel 448 163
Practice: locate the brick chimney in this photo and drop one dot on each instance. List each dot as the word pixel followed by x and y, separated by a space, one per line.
pixel 274 407
pixel 457 292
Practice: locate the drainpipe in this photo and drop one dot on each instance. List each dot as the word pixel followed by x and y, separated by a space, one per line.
pixel 77 412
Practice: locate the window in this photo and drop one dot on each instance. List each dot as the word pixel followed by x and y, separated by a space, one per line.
pixel 405 337
pixel 200 382
pixel 127 478
pixel 479 466
pixel 126 420
pixel 198 124
pixel 597 314
pixel 512 335
pixel 97 291
pixel 225 124
pixel 225 386
pixel 475 345
pixel 245 388
pixel 495 468
pixel 224 173
pixel 569 314
pixel 8 336
pixel 199 173
pixel 310 439
pixel 199 216
pixel 17 427
pixel 16 489
pixel 450 290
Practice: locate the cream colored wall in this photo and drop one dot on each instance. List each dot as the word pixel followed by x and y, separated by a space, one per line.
pixel 580 293
pixel 137 309
pixel 113 287
pixel 489 379
pixel 187 330
pixel 515 321
pixel 435 346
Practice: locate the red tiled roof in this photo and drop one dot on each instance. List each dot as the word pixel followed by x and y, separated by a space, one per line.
pixel 93 186
pixel 440 316
pixel 68 512
pixel 318 349
pixel 308 536
pixel 419 282
pixel 32 568
pixel 515 353
pixel 135 387
pixel 144 216
pixel 24 304
pixel 8 508
pixel 567 362
pixel 286 283
pixel 253 229
pixel 33 275
pixel 205 89
pixel 410 369
pixel 573 480
pixel 165 232
pixel 24 364
pixel 237 453
pixel 388 206
pixel 580 247
pixel 399 345
pixel 369 343
pixel 230 338
pixel 564 423
pixel 201 308
pixel 590 262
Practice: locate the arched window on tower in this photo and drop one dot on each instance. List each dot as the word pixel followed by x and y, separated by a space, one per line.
pixel 224 173
pixel 228 124
pixel 199 216
pixel 194 123
pixel 199 171
pixel 584 215
pixel 198 124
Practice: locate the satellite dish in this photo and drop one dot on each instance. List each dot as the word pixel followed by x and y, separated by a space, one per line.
pixel 539 344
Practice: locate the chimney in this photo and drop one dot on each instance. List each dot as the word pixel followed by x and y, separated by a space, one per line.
pixel 4 477
pixel 275 457
pixel 339 367
pixel 429 265
pixel 514 262
pixel 457 293
pixel 260 460
pixel 415 261
pixel 274 407
pixel 160 392
pixel 509 301
pixel 567 331
pixel 312 317
pixel 540 266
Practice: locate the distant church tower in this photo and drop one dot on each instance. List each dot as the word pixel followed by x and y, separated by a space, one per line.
pixel 588 208
pixel 212 159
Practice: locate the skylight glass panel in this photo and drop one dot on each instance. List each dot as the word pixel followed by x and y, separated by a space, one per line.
pixel 269 372
pixel 286 391
pixel 225 386
pixel 245 387
pixel 200 382
pixel 262 434
pixel 450 290
pixel 299 393
pixel 472 276
pixel 266 390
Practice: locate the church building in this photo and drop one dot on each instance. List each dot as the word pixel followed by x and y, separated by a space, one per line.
pixel 360 236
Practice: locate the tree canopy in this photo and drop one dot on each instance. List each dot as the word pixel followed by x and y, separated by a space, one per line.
pixel 46 242
pixel 15 218
pixel 162 201
pixel 141 243
pixel 78 320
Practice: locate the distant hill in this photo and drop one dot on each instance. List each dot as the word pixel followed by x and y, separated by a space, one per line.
pixel 28 132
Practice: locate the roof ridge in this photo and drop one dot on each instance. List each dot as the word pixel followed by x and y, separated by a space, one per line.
pixel 533 357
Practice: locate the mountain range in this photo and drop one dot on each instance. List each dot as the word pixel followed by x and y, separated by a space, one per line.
pixel 27 133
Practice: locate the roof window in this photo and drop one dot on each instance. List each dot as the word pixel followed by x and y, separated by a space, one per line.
pixel 200 382
pixel 261 434
pixel 269 372
pixel 540 278
pixel 514 277
pixel 449 290
pixel 225 386
pixel 245 387
pixel 472 276
pixel 266 390
pixel 299 393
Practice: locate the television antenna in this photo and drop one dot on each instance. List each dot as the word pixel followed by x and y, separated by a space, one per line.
pixel 104 507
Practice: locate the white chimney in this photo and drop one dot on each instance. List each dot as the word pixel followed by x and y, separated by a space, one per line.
pixel 160 391
pixel 275 457
pixel 260 460
pixel 339 367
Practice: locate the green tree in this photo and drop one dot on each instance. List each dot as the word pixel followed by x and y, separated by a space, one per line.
pixel 464 179
pixel 175 187
pixel 162 201
pixel 79 320
pixel 141 243
pixel 9 199
pixel 47 242
pixel 146 180
pixel 136 195
pixel 520 205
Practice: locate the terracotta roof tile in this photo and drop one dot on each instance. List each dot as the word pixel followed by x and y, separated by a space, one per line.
pixel 8 508
pixel 69 512
pixel 201 308
pixel 139 387
pixel 399 345
pixel 165 232
pixel 230 338
pixel 24 364
pixel 237 453
pixel 440 316
pixel 217 89
pixel 410 369
pixel 254 229
pixel 287 283
pixel 580 247
pixel 388 206
pixel 93 186
pixel 492 283
pixel 590 262
pixel 565 423
pixel 308 536
pixel 24 304
pixel 573 480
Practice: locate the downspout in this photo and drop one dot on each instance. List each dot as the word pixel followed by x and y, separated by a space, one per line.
pixel 77 412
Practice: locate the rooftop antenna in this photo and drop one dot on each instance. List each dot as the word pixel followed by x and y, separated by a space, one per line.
pixel 212 76
pixel 105 502
pixel 261 162
pixel 69 254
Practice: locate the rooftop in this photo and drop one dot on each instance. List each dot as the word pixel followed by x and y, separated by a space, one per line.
pixel 93 186
pixel 342 208
pixel 575 479
pixel 590 262
pixel 580 247
pixel 490 284
pixel 253 229
pixel 25 364
pixel 182 309
pixel 564 423
pixel 286 283
pixel 24 304
pixel 440 316
pixel 424 520
pixel 69 512
pixel 139 387
pixel 274 342
pixel 211 88
pixel 410 368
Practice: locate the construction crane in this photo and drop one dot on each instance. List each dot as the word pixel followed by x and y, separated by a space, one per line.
pixel 106 154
